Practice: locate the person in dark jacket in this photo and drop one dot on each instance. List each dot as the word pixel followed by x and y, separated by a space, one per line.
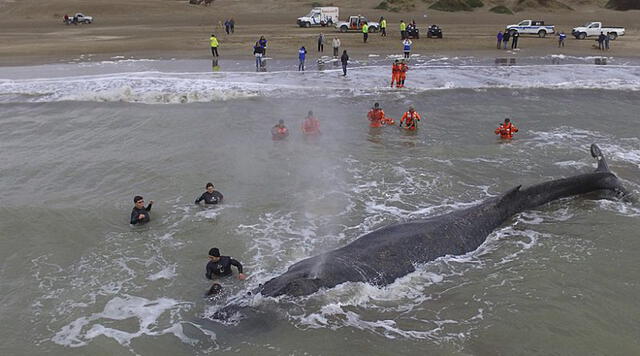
pixel 258 52
pixel 505 38
pixel 514 40
pixel 499 37
pixel 211 196
pixel 263 42
pixel 220 266
pixel 140 214
pixel 345 60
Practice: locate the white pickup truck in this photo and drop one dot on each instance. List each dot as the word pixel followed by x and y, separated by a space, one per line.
pixel 320 16
pixel 594 29
pixel 532 27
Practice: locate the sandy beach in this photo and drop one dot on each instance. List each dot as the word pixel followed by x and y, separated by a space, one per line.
pixel 32 31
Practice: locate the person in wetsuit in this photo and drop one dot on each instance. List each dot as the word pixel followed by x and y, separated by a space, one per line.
pixel 220 266
pixel 140 214
pixel 211 196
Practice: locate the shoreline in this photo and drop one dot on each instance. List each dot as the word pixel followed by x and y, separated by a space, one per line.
pixel 173 29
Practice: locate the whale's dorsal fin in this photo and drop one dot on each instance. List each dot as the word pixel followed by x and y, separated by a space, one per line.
pixel 510 195
pixel 602 162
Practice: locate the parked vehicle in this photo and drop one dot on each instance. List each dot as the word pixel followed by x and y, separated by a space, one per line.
pixel 531 27
pixel 595 28
pixel 434 32
pixel 320 16
pixel 78 18
pixel 413 32
pixel 355 24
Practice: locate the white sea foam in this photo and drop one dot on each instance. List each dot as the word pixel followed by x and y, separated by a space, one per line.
pixel 159 87
pixel 82 330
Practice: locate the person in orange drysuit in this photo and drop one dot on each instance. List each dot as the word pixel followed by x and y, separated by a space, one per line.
pixel 402 74
pixel 279 131
pixel 311 125
pixel 395 73
pixel 410 119
pixel 506 129
pixel 376 116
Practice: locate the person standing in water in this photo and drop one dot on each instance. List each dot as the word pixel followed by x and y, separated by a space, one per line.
pixel 279 131
pixel 310 125
pixel 506 130
pixel 211 196
pixel 345 60
pixel 410 119
pixel 140 214
pixel 220 266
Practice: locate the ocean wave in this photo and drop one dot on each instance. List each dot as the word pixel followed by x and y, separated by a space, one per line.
pixel 176 88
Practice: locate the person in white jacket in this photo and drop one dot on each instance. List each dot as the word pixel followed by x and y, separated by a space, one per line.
pixel 336 46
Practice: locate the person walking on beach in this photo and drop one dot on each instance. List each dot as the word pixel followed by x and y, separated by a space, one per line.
pixel 214 45
pixel 320 42
pixel 302 53
pixel 232 25
pixel 505 38
pixel 499 37
pixel 514 40
pixel 407 48
pixel 258 52
pixel 227 26
pixel 336 46
pixel 365 32
pixel 383 27
pixel 561 38
pixel 345 60
pixel 263 43
pixel 606 41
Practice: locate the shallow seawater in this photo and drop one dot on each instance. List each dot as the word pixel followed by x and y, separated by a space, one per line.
pixel 78 141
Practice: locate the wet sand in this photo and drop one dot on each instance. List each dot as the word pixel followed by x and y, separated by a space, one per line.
pixel 32 32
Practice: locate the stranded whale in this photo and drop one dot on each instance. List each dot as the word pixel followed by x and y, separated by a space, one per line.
pixel 382 256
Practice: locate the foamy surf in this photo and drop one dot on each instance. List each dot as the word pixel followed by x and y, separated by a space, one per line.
pixel 180 88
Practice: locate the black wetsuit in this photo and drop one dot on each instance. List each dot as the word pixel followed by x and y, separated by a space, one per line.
pixel 135 213
pixel 222 268
pixel 210 198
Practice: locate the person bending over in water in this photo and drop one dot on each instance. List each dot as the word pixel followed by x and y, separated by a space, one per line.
pixel 140 214
pixel 211 196
pixel 279 132
pixel 220 266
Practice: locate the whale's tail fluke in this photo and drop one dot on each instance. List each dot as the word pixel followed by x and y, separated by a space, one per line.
pixel 602 162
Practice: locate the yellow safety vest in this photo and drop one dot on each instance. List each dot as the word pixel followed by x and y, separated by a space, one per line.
pixel 383 24
pixel 365 28
pixel 214 41
pixel 403 26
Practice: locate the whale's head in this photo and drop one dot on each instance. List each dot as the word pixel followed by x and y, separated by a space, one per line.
pixel 297 281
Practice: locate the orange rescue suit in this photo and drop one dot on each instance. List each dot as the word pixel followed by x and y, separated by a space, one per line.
pixel 376 116
pixel 410 120
pixel 402 73
pixel 395 74
pixel 311 126
pixel 506 131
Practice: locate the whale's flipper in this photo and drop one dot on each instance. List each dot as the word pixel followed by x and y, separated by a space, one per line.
pixel 602 162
